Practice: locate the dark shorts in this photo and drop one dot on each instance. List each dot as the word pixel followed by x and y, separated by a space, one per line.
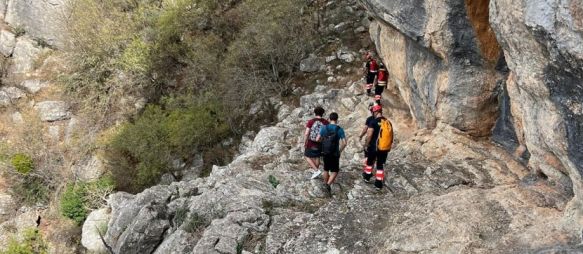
pixel 313 152
pixel 370 78
pixel 331 163
pixel 378 90
pixel 379 157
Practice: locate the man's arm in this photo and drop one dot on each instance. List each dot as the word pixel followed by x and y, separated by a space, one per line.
pixel 342 144
pixel 369 133
pixel 363 132
pixel 306 135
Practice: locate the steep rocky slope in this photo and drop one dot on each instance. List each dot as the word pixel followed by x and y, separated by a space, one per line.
pixel 445 193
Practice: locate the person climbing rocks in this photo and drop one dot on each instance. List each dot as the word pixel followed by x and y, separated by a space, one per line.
pixel 365 128
pixel 381 83
pixel 311 144
pixel 333 142
pixel 370 70
pixel 379 140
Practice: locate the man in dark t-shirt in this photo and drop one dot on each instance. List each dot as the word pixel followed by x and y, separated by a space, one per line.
pixel 311 145
pixel 380 157
pixel 332 160
pixel 366 123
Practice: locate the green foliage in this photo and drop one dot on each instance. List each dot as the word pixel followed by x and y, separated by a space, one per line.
pixel 73 203
pixel 31 189
pixel 32 243
pixel 19 31
pixel 78 199
pixel 273 181
pixel 143 150
pixel 180 215
pixel 194 223
pixel 22 163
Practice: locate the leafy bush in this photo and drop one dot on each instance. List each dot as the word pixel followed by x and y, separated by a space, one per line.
pixel 32 242
pixel 78 199
pixel 73 203
pixel 22 163
pixel 144 150
pixel 273 181
pixel 31 189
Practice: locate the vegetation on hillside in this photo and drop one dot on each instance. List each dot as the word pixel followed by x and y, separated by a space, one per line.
pixel 201 64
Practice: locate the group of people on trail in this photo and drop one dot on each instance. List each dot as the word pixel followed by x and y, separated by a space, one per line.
pixel 376 75
pixel 325 138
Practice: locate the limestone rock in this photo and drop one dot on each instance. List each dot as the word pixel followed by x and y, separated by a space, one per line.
pixel 41 19
pixel 24 54
pixel 7 42
pixel 442 58
pixel 13 93
pixel 17 118
pixel 268 140
pixel 7 205
pixel 4 99
pixel 88 170
pixel 543 47
pixel 34 86
pixel 312 64
pixel 50 111
pixel 94 226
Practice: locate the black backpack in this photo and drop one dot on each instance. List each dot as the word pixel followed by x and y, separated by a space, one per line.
pixel 330 142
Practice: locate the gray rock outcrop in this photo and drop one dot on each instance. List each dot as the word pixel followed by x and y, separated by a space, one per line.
pixel 40 19
pixel 23 57
pixel 50 111
pixel 93 229
pixel 7 42
pixel 543 46
pixel 312 64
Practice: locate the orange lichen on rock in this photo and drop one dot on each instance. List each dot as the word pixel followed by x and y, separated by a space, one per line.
pixel 478 14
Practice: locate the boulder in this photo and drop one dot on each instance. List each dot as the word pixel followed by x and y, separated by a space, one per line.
pixel 7 205
pixel 89 169
pixel 312 64
pixel 50 111
pixel 7 42
pixel 4 99
pixel 269 140
pixel 24 54
pixel 40 19
pixel 34 85
pixel 93 229
pixel 13 93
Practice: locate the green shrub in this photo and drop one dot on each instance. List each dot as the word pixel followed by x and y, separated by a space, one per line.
pixel 31 189
pixel 73 203
pixel 19 31
pixel 78 199
pixel 194 223
pixel 32 243
pixel 273 181
pixel 22 163
pixel 143 150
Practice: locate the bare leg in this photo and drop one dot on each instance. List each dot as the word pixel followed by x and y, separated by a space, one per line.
pixel 316 162
pixel 325 176
pixel 312 163
pixel 332 178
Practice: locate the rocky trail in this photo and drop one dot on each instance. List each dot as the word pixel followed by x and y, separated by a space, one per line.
pixel 444 193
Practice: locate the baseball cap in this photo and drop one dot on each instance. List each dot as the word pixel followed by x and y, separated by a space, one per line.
pixel 377 108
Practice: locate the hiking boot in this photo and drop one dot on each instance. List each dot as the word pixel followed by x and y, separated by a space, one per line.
pixel 378 184
pixel 316 174
pixel 366 177
pixel 328 189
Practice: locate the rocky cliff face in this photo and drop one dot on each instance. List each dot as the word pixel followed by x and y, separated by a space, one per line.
pixel 469 64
